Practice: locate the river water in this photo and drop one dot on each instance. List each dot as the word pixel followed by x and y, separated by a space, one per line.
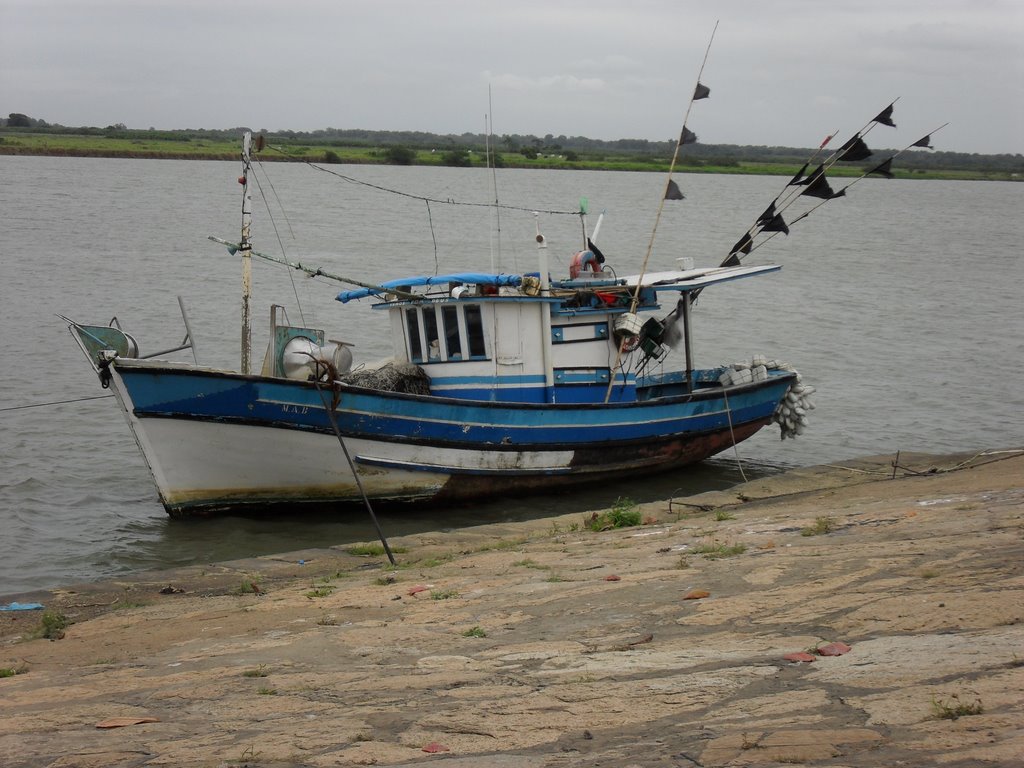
pixel 899 302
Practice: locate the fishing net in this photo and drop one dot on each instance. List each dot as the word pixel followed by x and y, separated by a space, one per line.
pixel 391 377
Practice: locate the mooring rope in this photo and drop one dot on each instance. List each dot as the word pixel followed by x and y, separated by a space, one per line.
pixel 332 417
pixel 54 402
pixel 732 434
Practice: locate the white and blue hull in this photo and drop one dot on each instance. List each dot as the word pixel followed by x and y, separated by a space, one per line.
pixel 218 441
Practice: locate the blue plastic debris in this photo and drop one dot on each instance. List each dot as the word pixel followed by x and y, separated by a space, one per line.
pixel 21 607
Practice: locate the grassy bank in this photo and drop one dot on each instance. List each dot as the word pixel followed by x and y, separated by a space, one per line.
pixel 190 148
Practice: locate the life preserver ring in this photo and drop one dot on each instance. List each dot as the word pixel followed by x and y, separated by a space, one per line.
pixel 580 261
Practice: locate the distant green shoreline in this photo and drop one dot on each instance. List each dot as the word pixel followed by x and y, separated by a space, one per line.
pixel 139 146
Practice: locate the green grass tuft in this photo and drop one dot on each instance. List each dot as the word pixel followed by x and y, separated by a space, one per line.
pixel 822 525
pixel 953 709
pixel 623 514
pixel 717 551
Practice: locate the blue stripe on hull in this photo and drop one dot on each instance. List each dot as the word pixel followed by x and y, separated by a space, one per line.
pixel 201 395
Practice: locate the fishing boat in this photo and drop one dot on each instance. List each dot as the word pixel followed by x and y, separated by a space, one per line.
pixel 495 383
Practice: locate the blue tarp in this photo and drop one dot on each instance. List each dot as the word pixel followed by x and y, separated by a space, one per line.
pixel 475 278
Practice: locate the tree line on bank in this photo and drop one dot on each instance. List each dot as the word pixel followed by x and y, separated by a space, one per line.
pixel 399 145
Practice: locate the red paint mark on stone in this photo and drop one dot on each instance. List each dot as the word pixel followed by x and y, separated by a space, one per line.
pixel 417 589
pixel 799 656
pixel 696 594
pixel 612 577
pixel 433 747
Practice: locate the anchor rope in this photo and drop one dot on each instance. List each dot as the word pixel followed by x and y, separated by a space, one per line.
pixel 329 409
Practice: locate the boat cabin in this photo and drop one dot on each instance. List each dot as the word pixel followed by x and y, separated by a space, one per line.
pixel 499 337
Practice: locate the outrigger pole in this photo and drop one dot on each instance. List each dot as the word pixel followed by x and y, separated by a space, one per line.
pixel 311 271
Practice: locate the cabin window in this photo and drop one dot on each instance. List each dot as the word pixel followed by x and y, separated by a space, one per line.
pixel 475 332
pixel 453 340
pixel 412 322
pixel 430 329
pixel 445 332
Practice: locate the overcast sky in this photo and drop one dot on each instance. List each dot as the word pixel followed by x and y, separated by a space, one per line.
pixel 781 72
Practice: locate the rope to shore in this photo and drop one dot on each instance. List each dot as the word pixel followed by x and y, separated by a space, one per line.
pixel 732 435
pixel 935 470
pixel 54 402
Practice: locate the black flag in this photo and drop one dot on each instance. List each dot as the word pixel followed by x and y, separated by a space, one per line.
pixel 673 192
pixel 799 175
pixel 885 116
pixel 817 186
pixel 743 245
pixel 593 249
pixel 701 92
pixel 776 225
pixel 854 149
pixel 926 142
pixel 884 169
pixel 688 136
pixel 768 215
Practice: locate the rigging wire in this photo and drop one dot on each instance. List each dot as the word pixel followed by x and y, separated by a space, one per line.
pixel 277 233
pixel 449 201
pixel 433 236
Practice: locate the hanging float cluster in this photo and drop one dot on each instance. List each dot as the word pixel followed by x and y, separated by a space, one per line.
pixel 791 413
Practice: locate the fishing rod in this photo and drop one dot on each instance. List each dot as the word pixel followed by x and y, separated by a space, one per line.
pixel 317 272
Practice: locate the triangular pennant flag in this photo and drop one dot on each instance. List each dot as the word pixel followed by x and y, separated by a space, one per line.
pixel 926 142
pixel 798 176
pixel 885 116
pixel 819 171
pixel 854 149
pixel 768 215
pixel 701 92
pixel 817 186
pixel 743 245
pixel 688 136
pixel 826 140
pixel 776 225
pixel 884 169
pixel 673 192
